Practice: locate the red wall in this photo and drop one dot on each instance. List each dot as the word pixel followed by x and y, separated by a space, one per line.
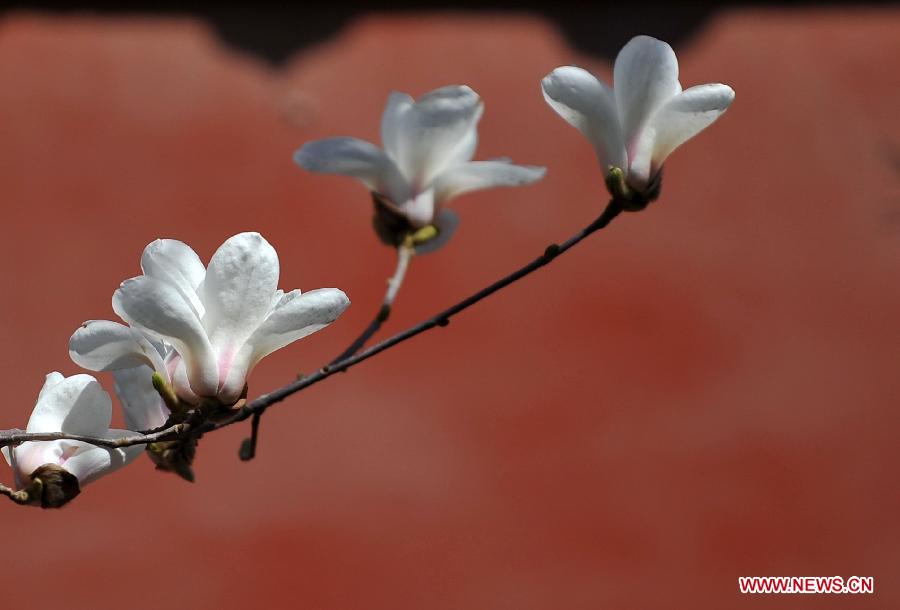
pixel 706 390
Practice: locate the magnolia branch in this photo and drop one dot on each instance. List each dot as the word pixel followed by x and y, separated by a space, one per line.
pixel 258 406
pixel 613 209
pixel 16 436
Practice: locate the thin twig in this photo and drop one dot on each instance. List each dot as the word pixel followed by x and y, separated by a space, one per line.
pixel 405 253
pixel 613 209
pixel 16 436
pixel 248 446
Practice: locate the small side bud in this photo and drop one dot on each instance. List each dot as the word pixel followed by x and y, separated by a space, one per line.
pixel 425 234
pixel 616 185
pixel 168 395
pixel 630 199
pixel 247 451
pixel 53 486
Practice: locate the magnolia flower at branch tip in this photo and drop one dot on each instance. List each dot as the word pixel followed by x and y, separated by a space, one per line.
pixel 426 159
pixel 203 329
pixel 55 471
pixel 638 124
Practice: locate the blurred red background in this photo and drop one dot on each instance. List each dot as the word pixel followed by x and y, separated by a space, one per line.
pixel 707 389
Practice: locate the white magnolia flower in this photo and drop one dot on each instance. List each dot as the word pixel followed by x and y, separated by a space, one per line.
pixel 648 116
pixel 75 405
pixel 219 321
pixel 428 147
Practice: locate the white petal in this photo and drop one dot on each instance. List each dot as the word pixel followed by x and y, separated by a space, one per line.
pixel 297 316
pixel 175 262
pixel 32 455
pixel 588 105
pixel 392 121
pixel 477 175
pixel 679 120
pixel 240 285
pixel 101 345
pixel 12 458
pixel 88 462
pixel 276 299
pixel 465 150
pixel 420 211
pixel 180 381
pixel 49 381
pixel 356 158
pixel 142 405
pixel 76 405
pixel 157 307
pixel 446 223
pixel 645 76
pixel 438 131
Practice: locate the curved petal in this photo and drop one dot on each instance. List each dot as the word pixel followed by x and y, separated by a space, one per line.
pixel 477 175
pixel 589 106
pixel 76 404
pixel 446 223
pixel 679 120
pixel 297 316
pixel 49 381
pixel 357 158
pixel 241 283
pixel 392 121
pixel 88 462
pixel 180 381
pixel 645 76
pixel 438 131
pixel 276 299
pixel 175 262
pixel 30 456
pixel 420 211
pixel 101 345
pixel 465 150
pixel 142 405
pixel 157 307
